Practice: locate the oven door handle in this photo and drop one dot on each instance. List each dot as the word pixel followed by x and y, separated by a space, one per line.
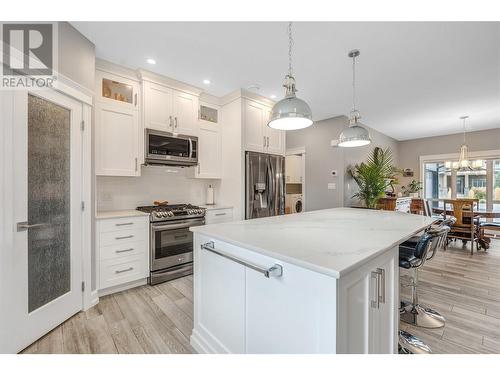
pixel 186 224
pixel 190 148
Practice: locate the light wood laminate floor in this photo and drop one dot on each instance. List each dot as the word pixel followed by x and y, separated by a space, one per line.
pixel 465 289
pixel 146 319
pixel 158 319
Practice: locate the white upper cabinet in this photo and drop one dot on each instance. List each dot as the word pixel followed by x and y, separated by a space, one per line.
pixel 116 141
pixel 117 90
pixel 253 113
pixel 258 136
pixel 169 109
pixel 185 111
pixel 158 113
pixel 275 139
pixel 210 143
pixel 118 138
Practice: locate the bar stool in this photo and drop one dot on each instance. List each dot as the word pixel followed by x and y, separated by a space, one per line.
pixel 413 256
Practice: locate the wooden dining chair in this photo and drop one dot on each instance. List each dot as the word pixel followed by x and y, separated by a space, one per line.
pixel 465 227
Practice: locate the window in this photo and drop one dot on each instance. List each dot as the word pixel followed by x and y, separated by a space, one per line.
pixel 496 184
pixel 482 183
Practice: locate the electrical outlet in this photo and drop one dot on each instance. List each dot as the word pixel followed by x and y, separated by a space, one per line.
pixel 332 186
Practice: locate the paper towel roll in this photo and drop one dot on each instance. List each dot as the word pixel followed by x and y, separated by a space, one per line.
pixel 210 195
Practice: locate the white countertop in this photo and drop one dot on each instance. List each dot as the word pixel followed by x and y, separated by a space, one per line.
pixel 332 241
pixel 119 213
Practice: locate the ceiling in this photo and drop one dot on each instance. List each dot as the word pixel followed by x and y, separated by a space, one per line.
pixel 414 79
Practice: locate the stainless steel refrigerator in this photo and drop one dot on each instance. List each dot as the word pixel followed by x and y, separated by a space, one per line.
pixel 265 185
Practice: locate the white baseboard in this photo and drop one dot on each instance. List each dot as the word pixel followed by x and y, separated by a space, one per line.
pixel 122 287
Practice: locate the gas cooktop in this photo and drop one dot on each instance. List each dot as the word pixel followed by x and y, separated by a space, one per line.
pixel 173 212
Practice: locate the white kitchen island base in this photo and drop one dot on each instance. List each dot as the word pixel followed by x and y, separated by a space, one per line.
pixel 339 307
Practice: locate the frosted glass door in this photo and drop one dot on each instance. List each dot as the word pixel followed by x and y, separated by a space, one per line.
pixel 49 205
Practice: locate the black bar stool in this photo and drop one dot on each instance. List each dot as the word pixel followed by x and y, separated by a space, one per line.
pixel 413 256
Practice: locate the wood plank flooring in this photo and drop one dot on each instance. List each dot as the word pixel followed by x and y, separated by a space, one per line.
pixel 158 319
pixel 148 319
pixel 465 289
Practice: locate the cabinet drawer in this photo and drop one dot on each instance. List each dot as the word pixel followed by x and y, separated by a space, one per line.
pixel 121 237
pixel 115 272
pixel 123 250
pixel 122 223
pixel 219 216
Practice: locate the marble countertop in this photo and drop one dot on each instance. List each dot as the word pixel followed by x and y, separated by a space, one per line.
pixel 119 213
pixel 332 241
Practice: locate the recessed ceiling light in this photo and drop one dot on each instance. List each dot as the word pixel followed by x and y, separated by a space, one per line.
pixel 206 81
pixel 273 96
pixel 151 61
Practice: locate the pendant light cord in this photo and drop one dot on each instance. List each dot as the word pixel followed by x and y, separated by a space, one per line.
pixel 354 83
pixel 290 45
pixel 464 130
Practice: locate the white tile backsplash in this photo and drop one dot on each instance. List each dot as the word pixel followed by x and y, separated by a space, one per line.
pixel 173 184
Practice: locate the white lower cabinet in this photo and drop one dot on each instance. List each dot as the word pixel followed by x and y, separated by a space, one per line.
pixel 237 309
pixel 122 251
pixel 368 307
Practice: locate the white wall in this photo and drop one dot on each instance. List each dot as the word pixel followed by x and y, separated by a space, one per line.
pixel 155 183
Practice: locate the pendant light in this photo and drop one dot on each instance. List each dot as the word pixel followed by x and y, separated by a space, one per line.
pixel 463 160
pixel 355 135
pixel 290 113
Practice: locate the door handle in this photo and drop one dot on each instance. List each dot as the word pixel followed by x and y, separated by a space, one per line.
pixel 22 226
pixel 175 122
pixel 136 164
pixel 267 142
pixel 382 286
pixel 135 100
pixel 170 123
pixel 264 141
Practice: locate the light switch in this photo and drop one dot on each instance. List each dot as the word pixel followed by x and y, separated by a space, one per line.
pixel 332 186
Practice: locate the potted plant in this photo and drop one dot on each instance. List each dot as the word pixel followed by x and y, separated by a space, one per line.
pixel 412 189
pixel 374 176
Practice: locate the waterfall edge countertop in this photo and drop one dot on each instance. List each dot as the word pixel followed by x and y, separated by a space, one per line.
pixel 332 241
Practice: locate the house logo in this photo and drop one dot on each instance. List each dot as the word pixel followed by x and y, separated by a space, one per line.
pixel 29 54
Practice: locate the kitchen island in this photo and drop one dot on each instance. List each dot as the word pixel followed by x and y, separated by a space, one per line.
pixel 316 282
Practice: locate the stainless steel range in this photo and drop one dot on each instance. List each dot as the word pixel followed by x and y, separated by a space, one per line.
pixel 171 242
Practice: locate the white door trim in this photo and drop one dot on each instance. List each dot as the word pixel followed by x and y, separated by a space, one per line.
pixel 8 216
pixel 300 151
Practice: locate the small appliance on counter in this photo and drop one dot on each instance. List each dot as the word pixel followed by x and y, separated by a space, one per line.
pixel 171 242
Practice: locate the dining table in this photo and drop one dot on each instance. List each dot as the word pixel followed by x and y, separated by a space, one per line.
pixel 487 214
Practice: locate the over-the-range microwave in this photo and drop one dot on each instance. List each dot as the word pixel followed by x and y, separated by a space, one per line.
pixel 170 148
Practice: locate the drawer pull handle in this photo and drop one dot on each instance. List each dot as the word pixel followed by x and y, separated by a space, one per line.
pixel 181 236
pixel 275 270
pixel 125 270
pixel 222 214
pixel 121 224
pixel 124 237
pixel 124 251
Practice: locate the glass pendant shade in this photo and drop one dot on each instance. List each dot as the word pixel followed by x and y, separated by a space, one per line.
pixel 290 113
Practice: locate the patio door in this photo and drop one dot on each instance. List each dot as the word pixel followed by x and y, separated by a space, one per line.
pixel 46 286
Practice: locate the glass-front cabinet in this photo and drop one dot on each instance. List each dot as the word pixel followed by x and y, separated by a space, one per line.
pixel 115 89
